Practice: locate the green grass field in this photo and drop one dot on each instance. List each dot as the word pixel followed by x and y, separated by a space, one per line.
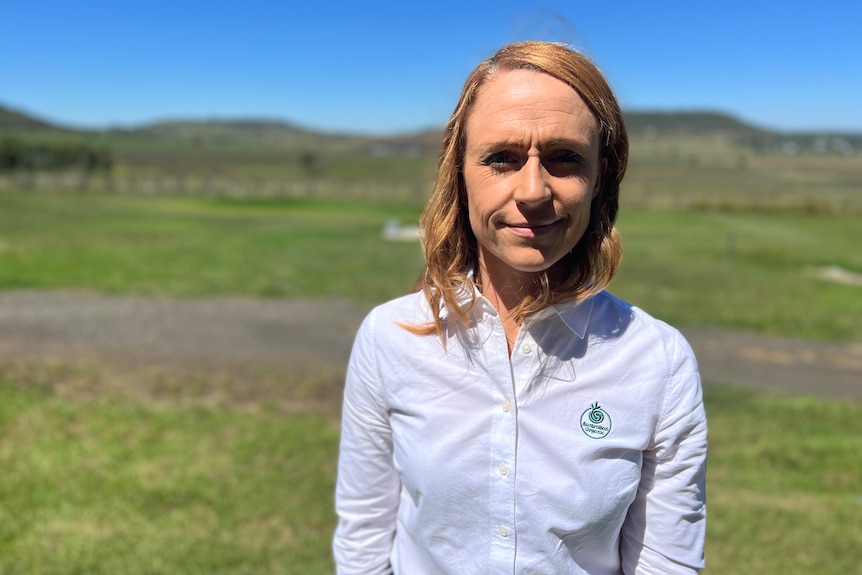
pixel 753 271
pixel 108 482
pixel 109 486
pixel 784 484
pixel 104 487
pixel 196 247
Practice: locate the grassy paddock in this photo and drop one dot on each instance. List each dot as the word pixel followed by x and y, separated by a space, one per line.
pixel 198 247
pixel 125 486
pixel 753 271
pixel 122 488
pixel 683 173
pixel 784 484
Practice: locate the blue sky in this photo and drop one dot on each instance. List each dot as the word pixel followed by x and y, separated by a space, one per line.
pixel 392 67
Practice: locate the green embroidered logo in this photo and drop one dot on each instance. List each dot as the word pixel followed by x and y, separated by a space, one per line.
pixel 595 422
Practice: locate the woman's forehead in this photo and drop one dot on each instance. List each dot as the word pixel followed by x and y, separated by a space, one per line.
pixel 524 106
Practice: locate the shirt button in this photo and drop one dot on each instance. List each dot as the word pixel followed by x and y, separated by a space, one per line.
pixel 507 406
pixel 526 348
pixel 503 470
pixel 504 531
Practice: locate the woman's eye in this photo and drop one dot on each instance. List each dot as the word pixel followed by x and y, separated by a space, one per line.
pixel 501 159
pixel 567 158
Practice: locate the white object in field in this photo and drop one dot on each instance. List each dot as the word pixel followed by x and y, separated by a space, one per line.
pixel 395 231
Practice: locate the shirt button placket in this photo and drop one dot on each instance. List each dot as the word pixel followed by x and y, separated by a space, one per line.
pixel 503 489
pixel 503 470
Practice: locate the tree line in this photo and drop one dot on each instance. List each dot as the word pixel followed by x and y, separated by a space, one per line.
pixel 17 155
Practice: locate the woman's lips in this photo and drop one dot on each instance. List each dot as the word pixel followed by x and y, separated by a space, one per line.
pixel 532 230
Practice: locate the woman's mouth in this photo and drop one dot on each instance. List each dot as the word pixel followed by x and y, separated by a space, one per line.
pixel 532 230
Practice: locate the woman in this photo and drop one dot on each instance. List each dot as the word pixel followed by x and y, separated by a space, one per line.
pixel 512 416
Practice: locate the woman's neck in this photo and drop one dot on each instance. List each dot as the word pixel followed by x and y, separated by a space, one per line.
pixel 506 292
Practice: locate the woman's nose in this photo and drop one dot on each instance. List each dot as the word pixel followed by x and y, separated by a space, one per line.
pixel 531 186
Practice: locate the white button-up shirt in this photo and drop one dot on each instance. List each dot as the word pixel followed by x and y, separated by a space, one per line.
pixel 583 452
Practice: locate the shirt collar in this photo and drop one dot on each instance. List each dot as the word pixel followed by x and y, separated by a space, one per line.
pixel 466 295
pixel 576 315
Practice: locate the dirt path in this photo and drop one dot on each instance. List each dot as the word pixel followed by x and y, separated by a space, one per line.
pixel 304 337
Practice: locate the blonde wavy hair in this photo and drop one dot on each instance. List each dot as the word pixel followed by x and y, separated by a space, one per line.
pixel 450 247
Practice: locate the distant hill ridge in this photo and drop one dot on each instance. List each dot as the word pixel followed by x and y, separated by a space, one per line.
pixel 14 121
pixel 689 122
pixel 638 123
pixel 211 127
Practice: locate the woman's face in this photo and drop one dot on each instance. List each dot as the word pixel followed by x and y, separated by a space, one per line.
pixel 531 168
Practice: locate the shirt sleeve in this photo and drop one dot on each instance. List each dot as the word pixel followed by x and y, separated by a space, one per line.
pixel 368 487
pixel 664 530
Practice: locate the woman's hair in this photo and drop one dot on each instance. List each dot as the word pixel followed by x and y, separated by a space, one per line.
pixel 451 251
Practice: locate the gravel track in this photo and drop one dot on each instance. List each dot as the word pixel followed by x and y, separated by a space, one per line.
pixel 306 336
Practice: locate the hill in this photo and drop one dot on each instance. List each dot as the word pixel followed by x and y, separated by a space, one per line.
pixel 14 121
pixel 649 125
pixel 277 148
pixel 216 132
pixel 691 123
pixel 275 133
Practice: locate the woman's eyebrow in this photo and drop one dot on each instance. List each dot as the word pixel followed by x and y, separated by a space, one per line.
pixel 507 144
pixel 497 145
pixel 565 143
